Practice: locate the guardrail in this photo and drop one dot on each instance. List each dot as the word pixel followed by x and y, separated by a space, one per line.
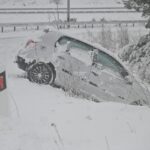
pixel 9 27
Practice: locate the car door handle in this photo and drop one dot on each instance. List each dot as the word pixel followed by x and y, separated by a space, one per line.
pixel 66 71
pixel 94 73
pixel 60 57
pixel 93 84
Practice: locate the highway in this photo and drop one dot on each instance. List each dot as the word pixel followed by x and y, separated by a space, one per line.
pixel 81 10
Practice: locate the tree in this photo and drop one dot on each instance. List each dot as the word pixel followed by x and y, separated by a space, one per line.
pixel 139 5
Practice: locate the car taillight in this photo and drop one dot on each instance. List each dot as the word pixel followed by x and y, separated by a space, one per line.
pixel 2 81
pixel 30 43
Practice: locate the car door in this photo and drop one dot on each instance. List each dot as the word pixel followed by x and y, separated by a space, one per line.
pixel 109 78
pixel 75 63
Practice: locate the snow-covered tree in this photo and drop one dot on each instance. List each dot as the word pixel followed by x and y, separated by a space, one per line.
pixel 139 5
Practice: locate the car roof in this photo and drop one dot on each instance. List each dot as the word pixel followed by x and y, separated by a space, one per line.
pixel 55 35
pixel 51 37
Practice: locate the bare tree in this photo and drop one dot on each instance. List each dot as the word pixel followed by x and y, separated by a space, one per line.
pixel 57 2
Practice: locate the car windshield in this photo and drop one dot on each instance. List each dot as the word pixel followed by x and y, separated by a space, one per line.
pixel 109 62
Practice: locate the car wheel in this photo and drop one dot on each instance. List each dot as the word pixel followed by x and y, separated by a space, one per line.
pixel 41 73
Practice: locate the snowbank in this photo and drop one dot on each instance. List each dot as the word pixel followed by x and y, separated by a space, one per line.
pixel 73 124
pixel 52 120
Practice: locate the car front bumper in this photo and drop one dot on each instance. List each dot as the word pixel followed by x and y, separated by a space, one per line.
pixel 21 63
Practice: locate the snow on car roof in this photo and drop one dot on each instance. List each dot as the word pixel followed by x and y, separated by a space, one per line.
pixel 52 36
pixel 55 35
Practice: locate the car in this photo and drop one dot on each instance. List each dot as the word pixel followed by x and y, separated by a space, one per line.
pixel 77 65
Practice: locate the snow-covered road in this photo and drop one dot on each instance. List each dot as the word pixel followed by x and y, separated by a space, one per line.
pixel 49 119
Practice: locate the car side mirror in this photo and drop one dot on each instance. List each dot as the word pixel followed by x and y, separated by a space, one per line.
pixel 91 53
pixel 68 47
pixel 93 56
pixel 128 79
pixel 56 44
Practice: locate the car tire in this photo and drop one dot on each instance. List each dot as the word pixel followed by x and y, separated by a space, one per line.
pixel 41 73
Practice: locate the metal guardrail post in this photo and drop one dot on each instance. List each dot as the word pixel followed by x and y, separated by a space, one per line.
pixel 14 28
pixel 38 27
pixel 68 25
pixel 2 29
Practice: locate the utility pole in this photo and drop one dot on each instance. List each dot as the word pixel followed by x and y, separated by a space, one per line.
pixel 68 11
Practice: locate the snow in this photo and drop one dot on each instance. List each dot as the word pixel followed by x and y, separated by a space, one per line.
pixel 74 3
pixel 47 118
pixel 137 57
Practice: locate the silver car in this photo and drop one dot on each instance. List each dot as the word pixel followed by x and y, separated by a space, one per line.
pixel 79 66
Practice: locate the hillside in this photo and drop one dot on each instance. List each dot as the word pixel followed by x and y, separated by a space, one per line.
pixel 51 119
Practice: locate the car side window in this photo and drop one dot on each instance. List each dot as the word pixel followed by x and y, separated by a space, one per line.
pixel 63 44
pixel 74 43
pixel 77 49
pixel 64 40
pixel 110 63
pixel 80 45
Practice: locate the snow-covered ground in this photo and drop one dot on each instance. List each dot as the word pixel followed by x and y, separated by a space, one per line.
pixel 74 3
pixel 50 119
